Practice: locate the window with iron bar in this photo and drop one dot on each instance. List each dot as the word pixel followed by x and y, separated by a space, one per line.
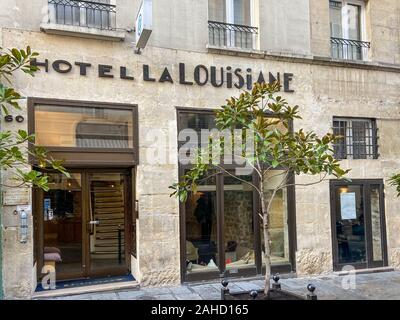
pixel 357 138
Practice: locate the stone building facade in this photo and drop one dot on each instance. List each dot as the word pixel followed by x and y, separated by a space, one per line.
pixel 338 60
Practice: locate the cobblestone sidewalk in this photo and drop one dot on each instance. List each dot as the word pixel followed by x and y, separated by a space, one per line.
pixel 383 285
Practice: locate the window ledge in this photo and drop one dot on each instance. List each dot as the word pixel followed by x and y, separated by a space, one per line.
pixel 83 32
pixel 234 51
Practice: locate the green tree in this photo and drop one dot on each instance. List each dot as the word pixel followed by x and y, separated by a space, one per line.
pixel 268 117
pixel 395 181
pixel 18 148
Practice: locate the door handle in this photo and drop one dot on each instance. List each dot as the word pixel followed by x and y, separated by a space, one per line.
pixel 94 222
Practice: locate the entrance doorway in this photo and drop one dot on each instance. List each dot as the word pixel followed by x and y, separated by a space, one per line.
pixel 82 223
pixel 358 224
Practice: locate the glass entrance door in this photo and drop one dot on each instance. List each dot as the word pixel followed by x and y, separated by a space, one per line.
pixel 62 224
pixel 106 223
pixel 358 224
pixel 81 224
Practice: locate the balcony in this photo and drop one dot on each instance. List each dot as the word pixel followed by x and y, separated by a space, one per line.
pixel 228 35
pixel 87 19
pixel 346 49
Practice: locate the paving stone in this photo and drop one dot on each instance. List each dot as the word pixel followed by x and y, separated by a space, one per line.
pixel 164 297
pixel 156 291
pixel 130 295
pixel 181 290
pixel 105 296
pixel 76 297
pixel 204 288
pixel 191 296
pixel 259 283
pixel 247 286
pixel 368 286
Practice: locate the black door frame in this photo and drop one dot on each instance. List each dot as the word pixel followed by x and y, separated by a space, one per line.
pixel 366 184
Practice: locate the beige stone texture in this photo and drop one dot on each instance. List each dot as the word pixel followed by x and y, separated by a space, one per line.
pixel 394 257
pixel 320 29
pixel 311 262
pixel 384 29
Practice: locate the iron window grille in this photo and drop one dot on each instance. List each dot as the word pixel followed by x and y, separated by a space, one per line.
pixel 347 49
pixel 222 34
pixel 335 4
pixel 98 14
pixel 358 138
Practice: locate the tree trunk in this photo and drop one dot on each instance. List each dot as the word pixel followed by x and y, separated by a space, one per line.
pixel 267 249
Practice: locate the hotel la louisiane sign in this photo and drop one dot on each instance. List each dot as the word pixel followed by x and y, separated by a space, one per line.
pixel 200 75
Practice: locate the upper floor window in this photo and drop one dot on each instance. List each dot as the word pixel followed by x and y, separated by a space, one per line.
pixel 100 14
pixel 347 26
pixel 358 138
pixel 231 24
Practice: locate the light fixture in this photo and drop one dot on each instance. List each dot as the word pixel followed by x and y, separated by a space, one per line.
pixel 343 189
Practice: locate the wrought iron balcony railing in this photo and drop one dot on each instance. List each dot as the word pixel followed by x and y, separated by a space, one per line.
pixel 91 14
pixel 222 34
pixel 347 49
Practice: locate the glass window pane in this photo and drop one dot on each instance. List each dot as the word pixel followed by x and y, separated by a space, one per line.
pixel 350 224
pixel 196 122
pixel 279 229
pixel 107 211
pixel 353 16
pixel 376 223
pixel 241 12
pixel 83 127
pixel 62 234
pixel 335 13
pixel 238 223
pixel 201 228
pixel 216 10
pixel 340 129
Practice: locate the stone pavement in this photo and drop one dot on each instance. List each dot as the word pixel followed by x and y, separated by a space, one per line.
pixel 382 285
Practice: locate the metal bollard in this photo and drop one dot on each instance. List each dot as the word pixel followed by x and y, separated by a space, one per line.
pixel 311 296
pixel 224 289
pixel 276 285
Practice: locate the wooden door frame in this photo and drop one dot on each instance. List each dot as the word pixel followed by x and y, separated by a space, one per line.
pixel 366 184
pixel 39 222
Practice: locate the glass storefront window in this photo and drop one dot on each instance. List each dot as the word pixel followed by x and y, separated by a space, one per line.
pixel 359 224
pixel 350 224
pixel 238 223
pixel 376 223
pixel 279 228
pixel 83 127
pixel 201 228
pixel 231 227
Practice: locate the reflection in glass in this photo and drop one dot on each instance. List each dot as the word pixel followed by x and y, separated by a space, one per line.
pixel 62 214
pixel 376 223
pixel 83 127
pixel 335 13
pixel 107 213
pixel 350 225
pixel 279 229
pixel 201 228
pixel 238 223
